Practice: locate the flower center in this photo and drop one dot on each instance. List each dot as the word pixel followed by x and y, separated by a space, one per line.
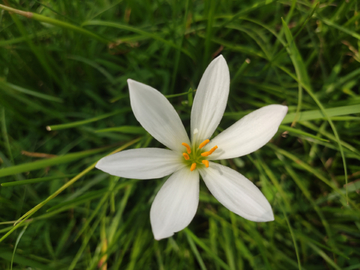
pixel 196 156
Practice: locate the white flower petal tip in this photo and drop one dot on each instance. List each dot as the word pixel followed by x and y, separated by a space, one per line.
pixel 237 193
pixel 143 163
pixel 269 216
pixel 248 134
pixel 155 113
pixel 176 203
pixel 210 99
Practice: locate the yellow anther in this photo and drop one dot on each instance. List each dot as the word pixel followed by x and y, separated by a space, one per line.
pixel 204 143
pixel 208 153
pixel 188 149
pixel 186 156
pixel 206 163
pixel 193 166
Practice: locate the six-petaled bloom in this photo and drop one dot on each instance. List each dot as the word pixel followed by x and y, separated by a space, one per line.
pixel 176 203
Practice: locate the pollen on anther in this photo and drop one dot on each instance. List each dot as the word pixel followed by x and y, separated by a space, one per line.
pixel 208 153
pixel 206 163
pixel 204 143
pixel 188 149
pixel 186 156
pixel 193 166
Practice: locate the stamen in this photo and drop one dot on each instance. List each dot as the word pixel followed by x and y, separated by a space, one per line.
pixel 188 149
pixel 206 163
pixel 186 156
pixel 193 166
pixel 204 143
pixel 208 153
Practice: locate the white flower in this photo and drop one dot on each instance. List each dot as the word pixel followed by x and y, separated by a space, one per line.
pixel 176 203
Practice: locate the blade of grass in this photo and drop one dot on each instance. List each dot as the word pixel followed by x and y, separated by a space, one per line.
pixel 195 250
pixel 29 92
pixel 180 44
pixel 86 239
pixel 62 24
pixel 228 247
pixel 22 219
pixel 124 129
pixel 86 225
pixel 323 255
pixel 35 180
pixel 310 169
pixel 120 209
pixel 300 132
pixel 5 43
pixel 5 135
pixel 210 7
pixel 43 60
pixel 205 247
pixel 21 260
pixel 304 80
pixel 265 170
pixel 309 115
pixel 308 196
pixel 343 29
pixel 93 64
pixel 138 31
pixel 83 122
pixel 329 135
pixel 292 236
pixel 89 196
pixel 16 244
pixel 319 114
pixel 48 162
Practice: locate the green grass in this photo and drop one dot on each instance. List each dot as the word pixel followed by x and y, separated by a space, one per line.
pixel 64 104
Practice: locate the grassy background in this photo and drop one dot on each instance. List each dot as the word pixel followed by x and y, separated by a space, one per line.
pixel 64 66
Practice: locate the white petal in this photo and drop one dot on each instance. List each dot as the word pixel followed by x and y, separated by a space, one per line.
pixel 175 204
pixel 237 193
pixel 157 115
pixel 143 163
pixel 249 133
pixel 210 100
